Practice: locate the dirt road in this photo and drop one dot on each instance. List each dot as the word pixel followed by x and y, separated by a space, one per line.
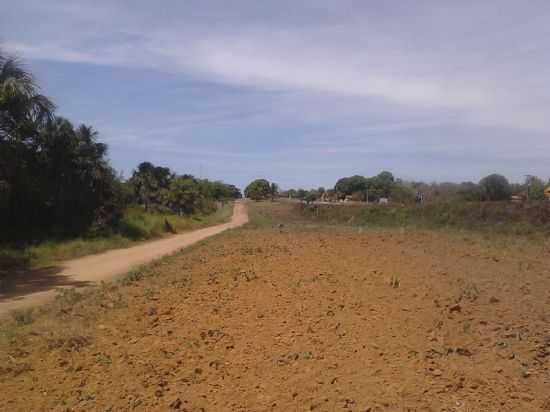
pixel 105 266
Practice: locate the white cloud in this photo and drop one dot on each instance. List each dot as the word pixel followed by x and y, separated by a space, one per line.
pixel 297 69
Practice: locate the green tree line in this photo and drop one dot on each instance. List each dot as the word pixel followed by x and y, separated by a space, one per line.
pixel 494 187
pixel 159 189
pixel 56 179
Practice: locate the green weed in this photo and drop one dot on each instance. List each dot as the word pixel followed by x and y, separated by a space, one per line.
pixel 133 276
pixel 68 296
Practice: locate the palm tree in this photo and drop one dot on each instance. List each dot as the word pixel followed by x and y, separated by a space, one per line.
pixel 54 178
pixel 22 113
pixel 22 108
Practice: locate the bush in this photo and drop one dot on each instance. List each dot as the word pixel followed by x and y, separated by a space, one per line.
pixel 259 189
pixel 495 187
pixel 133 276
pixel 23 316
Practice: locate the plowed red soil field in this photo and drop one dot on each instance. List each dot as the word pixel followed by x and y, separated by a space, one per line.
pixel 299 320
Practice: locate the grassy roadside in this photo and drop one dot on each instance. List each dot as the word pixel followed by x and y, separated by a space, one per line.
pixel 488 218
pixel 267 213
pixel 136 226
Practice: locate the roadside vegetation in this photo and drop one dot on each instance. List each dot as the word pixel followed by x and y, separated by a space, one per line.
pixel 61 198
pixel 491 206
pixel 487 217
pixel 528 220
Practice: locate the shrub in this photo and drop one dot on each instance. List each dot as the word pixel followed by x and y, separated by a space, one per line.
pixel 133 276
pixel 23 316
pixel 495 187
pixel 259 189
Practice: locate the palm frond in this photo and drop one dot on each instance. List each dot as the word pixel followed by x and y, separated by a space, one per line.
pixel 14 79
pixel 41 108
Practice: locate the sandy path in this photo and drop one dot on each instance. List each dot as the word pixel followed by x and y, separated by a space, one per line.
pixel 109 265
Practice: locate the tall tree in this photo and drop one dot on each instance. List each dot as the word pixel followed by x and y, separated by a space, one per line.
pixel 380 185
pixel 148 180
pixel 349 185
pixel 183 195
pixel 53 178
pixel 259 189
pixel 22 108
pixel 495 187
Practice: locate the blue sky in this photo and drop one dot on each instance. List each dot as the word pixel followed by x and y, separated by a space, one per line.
pixel 301 93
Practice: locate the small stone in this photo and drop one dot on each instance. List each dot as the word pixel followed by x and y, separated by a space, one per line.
pixel 527 397
pixel 463 352
pixel 455 308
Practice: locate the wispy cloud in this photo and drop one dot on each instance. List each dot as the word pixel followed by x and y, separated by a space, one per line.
pixel 329 71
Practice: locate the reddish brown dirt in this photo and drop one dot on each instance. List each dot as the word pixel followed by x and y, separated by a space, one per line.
pixel 311 320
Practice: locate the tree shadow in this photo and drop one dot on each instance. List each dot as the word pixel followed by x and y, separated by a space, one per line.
pixel 19 283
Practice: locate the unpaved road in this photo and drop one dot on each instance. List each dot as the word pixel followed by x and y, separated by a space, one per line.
pixel 108 265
